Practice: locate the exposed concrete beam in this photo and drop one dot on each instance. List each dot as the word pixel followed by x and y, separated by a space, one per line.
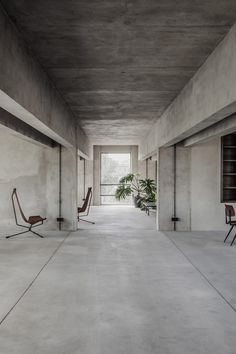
pixel 226 126
pixel 209 97
pixel 21 128
pixel 27 93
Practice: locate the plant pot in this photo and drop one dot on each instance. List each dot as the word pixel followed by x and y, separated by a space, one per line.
pixel 135 200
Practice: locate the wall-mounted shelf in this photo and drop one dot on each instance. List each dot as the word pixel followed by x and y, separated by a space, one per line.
pixel 228 168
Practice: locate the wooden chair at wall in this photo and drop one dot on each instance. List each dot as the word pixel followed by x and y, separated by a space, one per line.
pixel 229 212
pixel 84 210
pixel 32 221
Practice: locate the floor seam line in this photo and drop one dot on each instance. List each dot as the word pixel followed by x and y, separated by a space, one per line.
pixel 200 272
pixel 34 279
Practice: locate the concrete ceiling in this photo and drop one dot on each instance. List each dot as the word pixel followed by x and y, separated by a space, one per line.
pixel 120 63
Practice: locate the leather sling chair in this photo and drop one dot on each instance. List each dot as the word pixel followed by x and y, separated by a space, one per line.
pixel 86 206
pixel 32 221
pixel 229 212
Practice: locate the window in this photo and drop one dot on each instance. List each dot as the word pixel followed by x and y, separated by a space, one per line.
pixel 113 167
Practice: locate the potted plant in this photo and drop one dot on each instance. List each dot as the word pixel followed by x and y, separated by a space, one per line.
pixel 148 191
pixel 129 185
pixel 141 189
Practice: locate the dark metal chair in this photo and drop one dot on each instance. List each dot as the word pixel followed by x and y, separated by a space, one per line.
pixel 229 212
pixel 84 210
pixel 32 221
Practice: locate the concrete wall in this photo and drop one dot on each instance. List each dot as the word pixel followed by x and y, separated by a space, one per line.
pixel 207 98
pixel 33 170
pixel 173 186
pixel 207 212
pixel 27 92
pixel 198 203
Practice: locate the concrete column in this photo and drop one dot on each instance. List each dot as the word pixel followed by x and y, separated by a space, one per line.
pixel 97 175
pixel 165 189
pixel 52 187
pixel 81 181
pixel 134 159
pixel 69 178
pixel 183 201
pixel 89 176
pixel 173 185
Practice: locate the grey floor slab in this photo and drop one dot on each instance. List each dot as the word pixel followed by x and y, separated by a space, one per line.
pixel 120 288
pixel 213 258
pixel 21 259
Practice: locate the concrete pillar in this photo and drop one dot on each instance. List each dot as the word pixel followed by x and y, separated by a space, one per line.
pixel 183 201
pixel 89 176
pixel 52 187
pixel 97 175
pixel 134 159
pixel 173 184
pixel 69 178
pixel 165 189
pixel 81 180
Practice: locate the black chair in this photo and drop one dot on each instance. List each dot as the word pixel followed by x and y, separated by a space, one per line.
pixel 229 212
pixel 84 210
pixel 32 221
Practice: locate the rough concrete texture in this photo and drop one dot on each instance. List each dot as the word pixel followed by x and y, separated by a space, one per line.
pixel 18 127
pixel 210 256
pixel 174 192
pixel 118 287
pixel 224 127
pixel 198 188
pixel 27 93
pixel 33 170
pixel 69 188
pixel 119 64
pixel 165 189
pixel 81 181
pixel 183 192
pixel 208 97
pixel 207 211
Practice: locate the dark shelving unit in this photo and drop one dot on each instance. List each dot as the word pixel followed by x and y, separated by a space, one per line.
pixel 228 168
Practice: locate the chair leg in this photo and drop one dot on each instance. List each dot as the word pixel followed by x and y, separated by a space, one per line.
pixel 19 233
pixel 233 240
pixel 229 233
pixel 90 222
pixel 37 234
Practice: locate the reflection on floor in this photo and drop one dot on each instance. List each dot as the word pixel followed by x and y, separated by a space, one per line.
pixel 118 287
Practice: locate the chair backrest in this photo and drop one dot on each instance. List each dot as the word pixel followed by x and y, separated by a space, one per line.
pixel 87 201
pixel 15 200
pixel 229 212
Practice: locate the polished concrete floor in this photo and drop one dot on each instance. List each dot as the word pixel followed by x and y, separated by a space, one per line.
pixel 118 287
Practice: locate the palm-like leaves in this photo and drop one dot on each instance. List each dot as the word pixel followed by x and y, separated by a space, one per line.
pixel 123 191
pixel 148 186
pixel 130 184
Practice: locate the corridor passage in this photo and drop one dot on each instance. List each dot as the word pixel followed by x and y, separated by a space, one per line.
pixel 118 287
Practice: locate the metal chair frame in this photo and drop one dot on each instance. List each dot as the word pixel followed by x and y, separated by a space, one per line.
pixel 32 224
pixel 86 206
pixel 229 212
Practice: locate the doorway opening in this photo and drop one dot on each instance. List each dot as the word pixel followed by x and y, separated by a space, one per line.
pixel 113 167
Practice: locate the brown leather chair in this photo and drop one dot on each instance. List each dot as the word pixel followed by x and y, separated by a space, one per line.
pixel 84 210
pixel 32 221
pixel 229 212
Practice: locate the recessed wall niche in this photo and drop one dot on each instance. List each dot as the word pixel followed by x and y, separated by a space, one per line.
pixel 228 168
